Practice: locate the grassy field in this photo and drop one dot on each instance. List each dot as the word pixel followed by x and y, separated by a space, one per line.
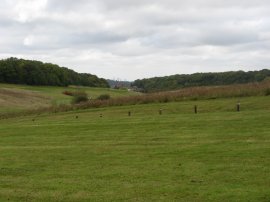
pixel 23 97
pixel 216 155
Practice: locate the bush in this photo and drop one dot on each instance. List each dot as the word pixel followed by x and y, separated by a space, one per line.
pixel 69 93
pixel 267 92
pixel 104 97
pixel 79 97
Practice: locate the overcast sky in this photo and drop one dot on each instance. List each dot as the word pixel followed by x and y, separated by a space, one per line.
pixel 131 39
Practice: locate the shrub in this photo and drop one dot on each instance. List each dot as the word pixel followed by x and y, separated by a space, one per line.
pixel 267 92
pixel 104 97
pixel 79 97
pixel 70 93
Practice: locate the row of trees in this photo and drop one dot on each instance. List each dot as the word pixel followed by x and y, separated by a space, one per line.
pixel 200 79
pixel 20 71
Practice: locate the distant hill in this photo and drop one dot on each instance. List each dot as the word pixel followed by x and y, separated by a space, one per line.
pixel 200 79
pixel 30 72
pixel 119 84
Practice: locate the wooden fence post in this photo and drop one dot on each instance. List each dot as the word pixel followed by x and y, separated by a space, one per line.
pixel 238 107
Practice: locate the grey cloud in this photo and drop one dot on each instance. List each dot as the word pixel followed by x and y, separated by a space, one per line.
pixel 137 38
pixel 93 38
pixel 227 37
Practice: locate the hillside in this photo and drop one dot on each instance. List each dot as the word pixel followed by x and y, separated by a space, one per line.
pixel 200 79
pixel 15 98
pixel 20 71
pixel 216 155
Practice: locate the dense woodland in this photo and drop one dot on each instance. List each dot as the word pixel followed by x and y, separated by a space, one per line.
pixel 200 79
pixel 20 71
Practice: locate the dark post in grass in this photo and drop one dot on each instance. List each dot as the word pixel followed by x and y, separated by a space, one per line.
pixel 100 115
pixel 238 107
pixel 195 109
pixel 160 111
pixel 129 113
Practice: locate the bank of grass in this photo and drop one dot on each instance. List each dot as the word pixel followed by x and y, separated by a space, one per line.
pixel 119 99
pixel 216 155
pixel 18 98
pixel 194 93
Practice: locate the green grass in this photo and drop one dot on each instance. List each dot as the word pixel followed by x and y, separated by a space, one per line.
pixel 216 155
pixel 25 97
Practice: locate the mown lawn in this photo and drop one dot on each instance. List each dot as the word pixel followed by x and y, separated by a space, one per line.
pixel 216 155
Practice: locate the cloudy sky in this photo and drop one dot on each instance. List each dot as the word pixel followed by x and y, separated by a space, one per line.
pixel 131 39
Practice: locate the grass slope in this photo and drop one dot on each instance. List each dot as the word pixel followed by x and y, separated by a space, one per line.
pixel 23 97
pixel 215 155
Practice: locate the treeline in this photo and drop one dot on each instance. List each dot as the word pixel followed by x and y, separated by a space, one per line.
pixel 20 71
pixel 199 79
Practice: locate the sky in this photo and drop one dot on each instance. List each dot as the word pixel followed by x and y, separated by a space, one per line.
pixel 134 39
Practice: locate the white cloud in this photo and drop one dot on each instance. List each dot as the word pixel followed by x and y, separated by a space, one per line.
pixel 27 10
